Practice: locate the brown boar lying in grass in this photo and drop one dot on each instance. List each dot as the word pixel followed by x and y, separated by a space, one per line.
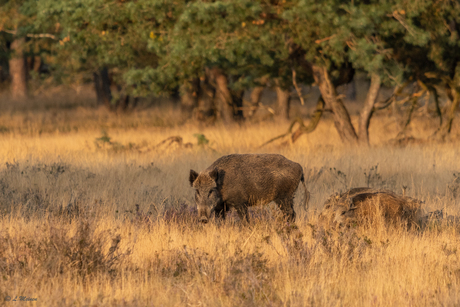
pixel 359 206
pixel 239 181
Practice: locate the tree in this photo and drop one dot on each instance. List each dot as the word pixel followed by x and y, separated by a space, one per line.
pixel 229 46
pixel 26 36
pixel 430 49
pixel 110 37
pixel 14 21
pixel 18 69
pixel 230 40
pixel 332 36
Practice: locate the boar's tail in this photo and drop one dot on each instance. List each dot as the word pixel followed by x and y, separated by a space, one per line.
pixel 307 194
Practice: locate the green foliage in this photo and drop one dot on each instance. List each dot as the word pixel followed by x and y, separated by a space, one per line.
pixel 104 138
pixel 105 142
pixel 154 46
pixel 201 140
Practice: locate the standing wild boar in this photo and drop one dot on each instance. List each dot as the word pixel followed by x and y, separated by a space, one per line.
pixel 239 181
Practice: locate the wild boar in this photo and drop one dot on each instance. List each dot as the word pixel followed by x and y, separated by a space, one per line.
pixel 361 205
pixel 242 180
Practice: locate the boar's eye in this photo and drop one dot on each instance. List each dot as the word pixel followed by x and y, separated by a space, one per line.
pixel 212 191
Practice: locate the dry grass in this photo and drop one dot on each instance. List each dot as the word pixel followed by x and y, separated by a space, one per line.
pixel 71 234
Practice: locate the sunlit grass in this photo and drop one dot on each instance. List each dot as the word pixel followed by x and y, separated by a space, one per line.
pixel 67 196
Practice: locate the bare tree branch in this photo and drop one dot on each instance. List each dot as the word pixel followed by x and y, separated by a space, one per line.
pixel 302 128
pixel 447 127
pixel 403 22
pixel 387 102
pixel 41 35
pixel 319 41
pixel 299 92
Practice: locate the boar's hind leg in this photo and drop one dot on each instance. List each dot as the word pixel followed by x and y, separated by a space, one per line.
pixel 287 207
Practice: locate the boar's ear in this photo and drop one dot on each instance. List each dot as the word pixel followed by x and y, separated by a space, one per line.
pixel 217 176
pixel 192 177
pixel 214 174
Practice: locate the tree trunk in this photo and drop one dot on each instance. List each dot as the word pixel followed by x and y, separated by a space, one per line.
pixel 447 127
pixel 283 102
pixel 102 87
pixel 224 98
pixel 18 69
pixel 237 104
pixel 367 111
pixel 37 63
pixel 98 87
pixel 123 103
pixel 255 99
pixel 189 96
pixel 256 93
pixel 228 108
pixel 206 109
pixel 341 117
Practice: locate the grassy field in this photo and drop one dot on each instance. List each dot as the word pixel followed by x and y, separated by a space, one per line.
pixel 93 212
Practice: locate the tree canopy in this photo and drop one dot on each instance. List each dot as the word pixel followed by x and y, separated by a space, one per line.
pixel 157 44
pixel 153 46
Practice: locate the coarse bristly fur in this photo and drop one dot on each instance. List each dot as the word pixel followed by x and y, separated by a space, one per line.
pixel 242 180
pixel 365 205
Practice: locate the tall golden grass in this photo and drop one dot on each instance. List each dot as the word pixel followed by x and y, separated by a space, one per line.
pixel 102 216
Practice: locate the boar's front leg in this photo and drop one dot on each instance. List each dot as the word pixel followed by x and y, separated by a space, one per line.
pixel 242 211
pixel 221 210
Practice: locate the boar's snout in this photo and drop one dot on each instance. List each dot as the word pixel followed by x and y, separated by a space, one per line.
pixel 204 214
